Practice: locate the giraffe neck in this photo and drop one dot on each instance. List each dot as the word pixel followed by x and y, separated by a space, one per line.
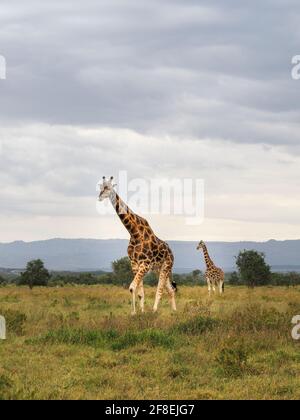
pixel 208 261
pixel 127 217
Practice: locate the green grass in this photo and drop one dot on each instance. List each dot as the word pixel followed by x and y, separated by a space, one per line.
pixel 197 325
pixel 82 343
pixel 108 339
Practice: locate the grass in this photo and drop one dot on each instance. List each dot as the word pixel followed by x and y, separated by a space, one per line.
pixel 82 343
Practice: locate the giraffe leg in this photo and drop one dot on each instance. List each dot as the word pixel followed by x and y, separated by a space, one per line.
pixel 214 287
pixel 221 287
pixel 171 293
pixel 160 288
pixel 209 286
pixel 138 278
pixel 141 295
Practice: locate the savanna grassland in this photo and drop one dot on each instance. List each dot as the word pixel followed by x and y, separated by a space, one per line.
pixel 82 343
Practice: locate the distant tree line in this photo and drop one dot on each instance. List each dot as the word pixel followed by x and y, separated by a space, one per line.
pixel 277 279
pixel 3 281
pixel 252 271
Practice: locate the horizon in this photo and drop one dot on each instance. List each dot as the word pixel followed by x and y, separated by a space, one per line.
pixel 126 239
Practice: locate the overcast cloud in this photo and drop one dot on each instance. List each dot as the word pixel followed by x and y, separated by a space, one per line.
pixel 178 88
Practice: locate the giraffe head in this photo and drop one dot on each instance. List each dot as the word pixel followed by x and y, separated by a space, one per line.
pixel 106 188
pixel 201 245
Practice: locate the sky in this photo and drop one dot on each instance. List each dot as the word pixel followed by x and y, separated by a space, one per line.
pixel 174 89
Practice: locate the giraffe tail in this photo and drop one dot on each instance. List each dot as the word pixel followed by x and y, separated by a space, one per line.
pixel 174 285
pixel 223 286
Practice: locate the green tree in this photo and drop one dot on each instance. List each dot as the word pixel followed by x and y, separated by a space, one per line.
pixel 196 276
pixel 35 275
pixel 151 279
pixel 253 269
pixel 234 279
pixel 122 271
pixel 2 281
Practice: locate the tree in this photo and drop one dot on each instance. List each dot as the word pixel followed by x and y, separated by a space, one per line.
pixel 122 271
pixel 253 269
pixel 151 279
pixel 196 275
pixel 2 281
pixel 234 279
pixel 35 275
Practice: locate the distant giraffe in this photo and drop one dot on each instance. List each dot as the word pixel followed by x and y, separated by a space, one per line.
pixel 146 252
pixel 215 277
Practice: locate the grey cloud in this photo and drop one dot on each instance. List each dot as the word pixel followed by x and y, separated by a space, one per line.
pixel 53 171
pixel 150 66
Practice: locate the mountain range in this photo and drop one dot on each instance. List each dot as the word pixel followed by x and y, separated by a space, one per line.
pixel 98 254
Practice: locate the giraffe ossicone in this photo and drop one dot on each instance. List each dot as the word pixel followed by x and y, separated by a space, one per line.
pixel 146 251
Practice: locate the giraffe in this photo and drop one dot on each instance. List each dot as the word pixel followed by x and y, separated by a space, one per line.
pixel 146 251
pixel 214 275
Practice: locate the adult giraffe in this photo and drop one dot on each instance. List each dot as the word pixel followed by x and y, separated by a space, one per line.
pixel 146 251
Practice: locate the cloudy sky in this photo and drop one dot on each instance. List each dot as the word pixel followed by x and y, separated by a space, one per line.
pixel 171 89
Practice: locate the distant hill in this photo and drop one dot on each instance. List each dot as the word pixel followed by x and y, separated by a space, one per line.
pixel 97 254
